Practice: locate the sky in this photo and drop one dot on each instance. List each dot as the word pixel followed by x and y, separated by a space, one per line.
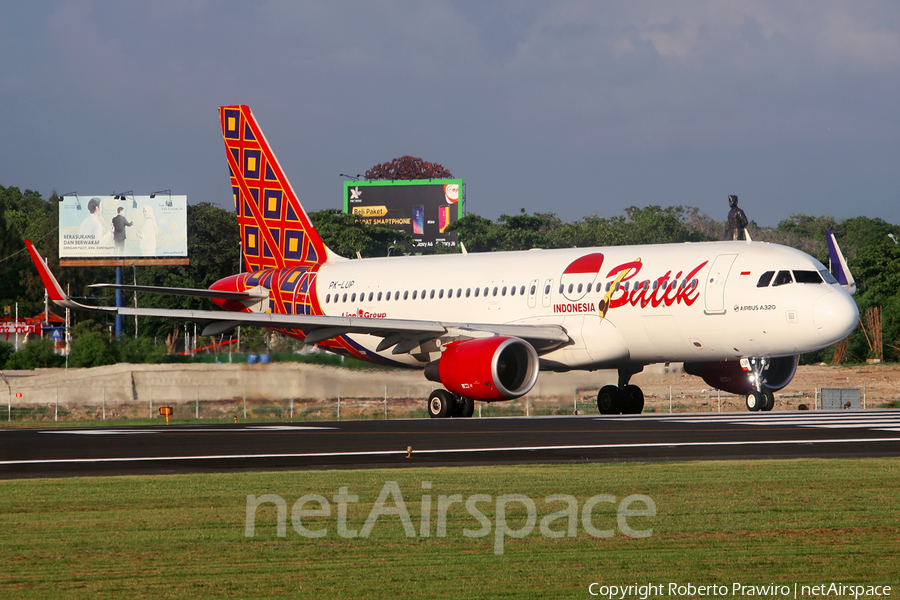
pixel 571 107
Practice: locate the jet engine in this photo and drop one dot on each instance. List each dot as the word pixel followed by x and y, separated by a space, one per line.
pixel 486 369
pixel 730 376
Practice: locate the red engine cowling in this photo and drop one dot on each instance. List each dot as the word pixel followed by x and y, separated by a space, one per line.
pixel 729 376
pixel 486 369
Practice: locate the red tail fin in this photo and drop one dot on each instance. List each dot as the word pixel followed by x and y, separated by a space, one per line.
pixel 275 230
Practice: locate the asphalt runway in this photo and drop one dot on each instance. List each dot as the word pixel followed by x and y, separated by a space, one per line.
pixel 63 452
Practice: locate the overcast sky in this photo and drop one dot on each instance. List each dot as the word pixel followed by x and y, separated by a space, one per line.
pixel 576 108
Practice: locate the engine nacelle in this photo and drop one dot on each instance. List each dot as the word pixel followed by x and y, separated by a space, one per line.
pixel 486 369
pixel 729 376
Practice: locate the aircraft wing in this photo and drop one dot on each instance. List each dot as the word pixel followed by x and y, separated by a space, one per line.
pixel 403 335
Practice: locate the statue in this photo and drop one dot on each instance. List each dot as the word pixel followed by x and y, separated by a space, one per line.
pixel 737 220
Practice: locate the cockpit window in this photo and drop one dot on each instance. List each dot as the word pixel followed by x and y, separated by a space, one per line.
pixel 783 278
pixel 765 279
pixel 827 276
pixel 807 277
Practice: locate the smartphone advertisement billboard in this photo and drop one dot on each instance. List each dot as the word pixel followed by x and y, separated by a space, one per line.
pixel 421 208
pixel 123 226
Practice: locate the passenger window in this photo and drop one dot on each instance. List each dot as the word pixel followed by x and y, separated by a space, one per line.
pixel 353 297
pixel 512 290
pixel 495 292
pixel 783 278
pixel 327 298
pixel 503 291
pixel 405 294
pixel 477 291
pixel 580 287
pixel 522 291
pixel 486 291
pixel 765 279
pixel 459 292
pixel 423 294
pixel 431 295
pixel 440 293
pixel 345 297
pixel 468 291
pixel 414 294
pixel 561 288
pixel 571 287
pixel 379 296
pixel 807 277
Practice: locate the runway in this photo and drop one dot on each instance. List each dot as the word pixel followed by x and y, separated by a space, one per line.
pixel 63 452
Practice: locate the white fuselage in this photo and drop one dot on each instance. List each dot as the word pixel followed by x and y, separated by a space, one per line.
pixel 674 302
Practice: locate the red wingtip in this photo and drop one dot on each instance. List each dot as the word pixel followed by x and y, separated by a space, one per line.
pixel 50 283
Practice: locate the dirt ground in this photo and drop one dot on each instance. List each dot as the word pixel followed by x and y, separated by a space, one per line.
pixel 326 393
pixel 879 385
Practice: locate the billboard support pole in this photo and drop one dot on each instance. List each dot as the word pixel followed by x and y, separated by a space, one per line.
pixel 119 304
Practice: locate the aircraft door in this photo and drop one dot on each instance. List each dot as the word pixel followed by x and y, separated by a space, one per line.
pixel 714 295
pixel 548 289
pixel 533 289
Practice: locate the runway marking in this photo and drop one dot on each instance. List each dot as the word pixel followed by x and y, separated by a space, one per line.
pixel 252 429
pixel 441 451
pixel 873 422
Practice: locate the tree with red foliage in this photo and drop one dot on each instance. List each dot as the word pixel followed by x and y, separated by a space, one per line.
pixel 408 167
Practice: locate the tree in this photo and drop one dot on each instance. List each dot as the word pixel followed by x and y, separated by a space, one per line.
pixel 214 250
pixel 408 167
pixel 346 235
pixel 35 354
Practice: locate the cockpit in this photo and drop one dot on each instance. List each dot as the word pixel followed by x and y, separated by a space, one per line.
pixel 778 278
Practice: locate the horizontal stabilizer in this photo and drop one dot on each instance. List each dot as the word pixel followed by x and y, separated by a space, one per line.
pixel 253 294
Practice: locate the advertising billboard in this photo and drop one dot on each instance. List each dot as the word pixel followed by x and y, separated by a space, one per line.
pixel 123 226
pixel 422 208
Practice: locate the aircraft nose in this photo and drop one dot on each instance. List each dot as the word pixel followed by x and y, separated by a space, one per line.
pixel 835 315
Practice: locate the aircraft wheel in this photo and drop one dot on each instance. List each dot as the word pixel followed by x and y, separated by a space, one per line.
pixel 441 404
pixel 465 407
pixel 754 401
pixel 634 400
pixel 609 400
pixel 768 400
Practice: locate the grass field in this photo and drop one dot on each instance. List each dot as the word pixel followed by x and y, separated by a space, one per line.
pixel 185 536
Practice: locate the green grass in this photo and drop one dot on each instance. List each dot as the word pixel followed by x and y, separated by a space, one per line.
pixel 180 536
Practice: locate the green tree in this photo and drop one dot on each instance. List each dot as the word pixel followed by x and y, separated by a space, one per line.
pixel 214 251
pixel 346 235
pixel 35 354
pixel 91 346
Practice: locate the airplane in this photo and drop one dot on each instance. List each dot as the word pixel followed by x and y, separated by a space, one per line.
pixel 483 325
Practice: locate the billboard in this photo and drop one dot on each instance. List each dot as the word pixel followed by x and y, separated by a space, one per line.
pixel 422 208
pixel 123 226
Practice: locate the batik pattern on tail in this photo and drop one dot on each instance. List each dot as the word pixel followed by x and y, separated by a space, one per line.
pixel 275 230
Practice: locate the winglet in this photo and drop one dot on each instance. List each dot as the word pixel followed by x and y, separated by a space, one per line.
pixel 54 290
pixel 838 265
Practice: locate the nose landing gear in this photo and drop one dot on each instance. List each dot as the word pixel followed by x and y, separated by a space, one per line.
pixel 761 398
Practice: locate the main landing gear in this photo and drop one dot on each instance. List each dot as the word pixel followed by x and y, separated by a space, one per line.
pixel 624 399
pixel 443 404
